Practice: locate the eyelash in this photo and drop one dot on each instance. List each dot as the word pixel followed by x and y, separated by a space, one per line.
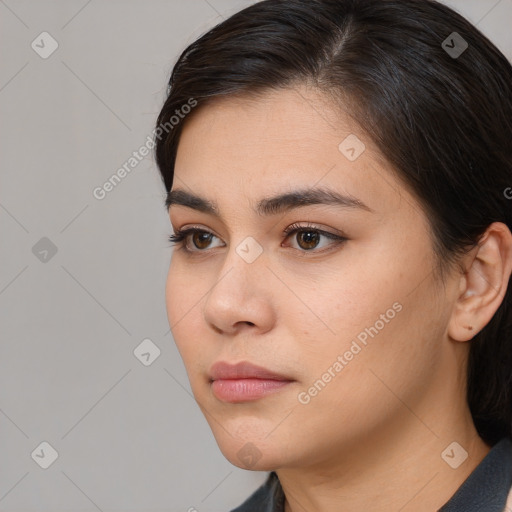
pixel 180 236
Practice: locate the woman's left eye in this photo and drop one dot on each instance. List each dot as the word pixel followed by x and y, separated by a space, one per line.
pixel 307 237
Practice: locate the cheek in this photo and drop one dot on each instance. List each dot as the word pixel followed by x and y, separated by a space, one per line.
pixel 382 287
pixel 375 317
pixel 342 304
pixel 172 300
pixel 356 376
pixel 389 342
pixel 183 302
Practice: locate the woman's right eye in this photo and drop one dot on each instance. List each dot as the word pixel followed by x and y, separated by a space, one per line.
pixel 200 239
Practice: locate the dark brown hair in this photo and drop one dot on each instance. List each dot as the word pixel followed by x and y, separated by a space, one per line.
pixel 442 119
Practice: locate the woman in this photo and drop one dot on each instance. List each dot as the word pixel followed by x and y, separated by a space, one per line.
pixel 338 178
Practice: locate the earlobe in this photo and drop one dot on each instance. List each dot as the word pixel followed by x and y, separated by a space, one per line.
pixel 483 285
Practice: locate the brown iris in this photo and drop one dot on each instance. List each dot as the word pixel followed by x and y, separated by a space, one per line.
pixel 310 239
pixel 201 238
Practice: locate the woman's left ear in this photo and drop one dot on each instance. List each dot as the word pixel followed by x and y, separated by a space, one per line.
pixel 484 284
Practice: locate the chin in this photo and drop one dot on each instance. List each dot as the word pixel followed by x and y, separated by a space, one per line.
pixel 251 457
pixel 247 447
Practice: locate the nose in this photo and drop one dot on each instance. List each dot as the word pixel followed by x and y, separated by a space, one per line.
pixel 240 297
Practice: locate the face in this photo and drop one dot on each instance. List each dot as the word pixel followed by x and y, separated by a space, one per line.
pixel 336 299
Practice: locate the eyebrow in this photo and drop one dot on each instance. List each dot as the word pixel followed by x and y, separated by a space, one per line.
pixel 271 205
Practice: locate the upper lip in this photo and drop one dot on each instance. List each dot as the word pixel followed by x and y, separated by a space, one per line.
pixel 243 370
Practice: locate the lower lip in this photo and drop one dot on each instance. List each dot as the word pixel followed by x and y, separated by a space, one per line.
pixel 243 390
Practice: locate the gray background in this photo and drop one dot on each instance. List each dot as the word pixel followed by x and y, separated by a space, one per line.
pixel 129 437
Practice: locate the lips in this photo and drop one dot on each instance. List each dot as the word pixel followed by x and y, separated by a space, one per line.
pixel 245 382
pixel 243 370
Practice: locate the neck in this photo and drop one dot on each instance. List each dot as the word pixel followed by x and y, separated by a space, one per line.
pixel 402 470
